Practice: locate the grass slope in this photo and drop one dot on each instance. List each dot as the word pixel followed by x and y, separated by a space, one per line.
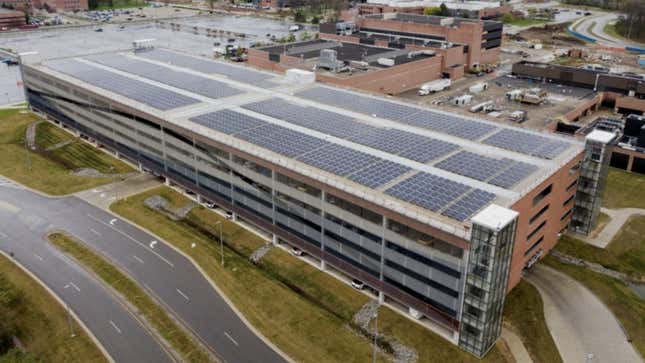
pixel 624 190
pixel 42 323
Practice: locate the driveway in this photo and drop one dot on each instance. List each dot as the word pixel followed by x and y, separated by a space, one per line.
pixel 161 270
pixel 581 325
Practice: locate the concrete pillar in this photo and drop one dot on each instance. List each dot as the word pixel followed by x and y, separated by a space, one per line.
pixel 199 198
pixel 234 217
pixel 630 162
pixel 414 313
pixel 381 297
pixel 323 265
pixel 274 239
pixel 116 155
pixel 167 181
pixel 140 167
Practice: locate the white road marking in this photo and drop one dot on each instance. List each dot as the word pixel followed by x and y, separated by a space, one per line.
pixel 231 339
pixel 112 221
pixel 115 327
pixel 3 235
pixel 132 239
pixel 182 294
pixel 38 257
pixel 137 258
pixel 95 231
pixel 75 287
pixel 152 244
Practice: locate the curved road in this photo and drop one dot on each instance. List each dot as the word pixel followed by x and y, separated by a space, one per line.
pixel 578 321
pixel 594 27
pixel 161 270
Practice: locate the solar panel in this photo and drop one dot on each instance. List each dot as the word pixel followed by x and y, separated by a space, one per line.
pixel 228 121
pixel 145 93
pixel 527 143
pixel 241 74
pixel 405 144
pixel 513 175
pixel 339 160
pixel 379 173
pixel 450 124
pixel 504 172
pixel 189 82
pixel 470 204
pixel 311 117
pixel 428 191
pixel 281 140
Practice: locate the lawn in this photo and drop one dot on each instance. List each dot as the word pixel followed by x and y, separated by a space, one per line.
pixel 527 22
pixel 524 312
pixel 624 190
pixel 116 4
pixel 628 308
pixel 184 343
pixel 42 324
pixel 302 310
pixel 50 172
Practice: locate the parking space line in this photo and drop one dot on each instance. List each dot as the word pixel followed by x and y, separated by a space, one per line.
pixel 115 327
pixel 95 231
pixel 182 294
pixel 231 339
pixel 137 258
pixel 133 239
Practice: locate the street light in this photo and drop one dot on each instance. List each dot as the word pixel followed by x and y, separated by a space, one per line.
pixel 221 242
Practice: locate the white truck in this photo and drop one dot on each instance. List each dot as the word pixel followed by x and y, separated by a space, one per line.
pixel 434 86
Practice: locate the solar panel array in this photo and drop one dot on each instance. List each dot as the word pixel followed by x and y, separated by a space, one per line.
pixel 356 165
pixel 186 81
pixel 527 143
pixel 449 124
pixel 145 93
pixel 310 117
pixel 240 74
pixel 506 172
pixel 405 144
pixel 452 199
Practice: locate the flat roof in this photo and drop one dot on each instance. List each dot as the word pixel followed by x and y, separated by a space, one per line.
pixel 432 166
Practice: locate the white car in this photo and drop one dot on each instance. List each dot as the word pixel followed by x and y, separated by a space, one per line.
pixel 296 251
pixel 210 205
pixel 357 284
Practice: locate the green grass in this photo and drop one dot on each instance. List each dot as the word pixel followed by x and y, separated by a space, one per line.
pixel 527 22
pixel 117 4
pixel 429 346
pixel 524 312
pixel 628 308
pixel 624 190
pixel 184 343
pixel 50 172
pixel 43 323
pixel 302 310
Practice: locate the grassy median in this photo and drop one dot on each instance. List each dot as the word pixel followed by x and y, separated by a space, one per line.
pixel 628 308
pixel 50 171
pixel 302 310
pixel 524 312
pixel 181 341
pixel 40 323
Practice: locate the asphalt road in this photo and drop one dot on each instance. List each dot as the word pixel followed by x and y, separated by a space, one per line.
pixel 594 27
pixel 21 232
pixel 583 328
pixel 161 270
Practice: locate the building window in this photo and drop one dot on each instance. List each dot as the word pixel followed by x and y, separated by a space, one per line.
pixel 568 200
pixel 572 185
pixel 546 191
pixel 354 209
pixel 297 184
pixel 252 166
pixel 539 214
pixel 533 246
pixel 566 214
pixel 424 239
pixel 536 230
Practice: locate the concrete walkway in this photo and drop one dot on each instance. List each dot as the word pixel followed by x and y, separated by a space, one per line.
pixel 581 325
pixel 105 195
pixel 516 346
pixel 618 219
pixel 30 135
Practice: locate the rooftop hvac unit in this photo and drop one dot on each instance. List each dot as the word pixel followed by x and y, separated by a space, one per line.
pixel 387 62
pixel 329 60
pixel 446 21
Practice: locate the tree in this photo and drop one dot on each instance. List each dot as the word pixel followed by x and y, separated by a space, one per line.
pixel 299 16
pixel 443 10
pixel 507 18
pixel 432 11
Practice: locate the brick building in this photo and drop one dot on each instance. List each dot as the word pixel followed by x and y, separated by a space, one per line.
pixel 10 19
pixel 53 5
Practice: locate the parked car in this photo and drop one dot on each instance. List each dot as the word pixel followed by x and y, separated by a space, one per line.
pixel 296 251
pixel 210 204
pixel 358 284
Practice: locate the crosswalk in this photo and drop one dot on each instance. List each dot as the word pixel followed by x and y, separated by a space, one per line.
pixel 7 183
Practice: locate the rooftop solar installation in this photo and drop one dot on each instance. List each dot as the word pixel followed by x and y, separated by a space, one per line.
pixel 468 205
pixel 227 121
pixel 313 118
pixel 281 140
pixel 428 191
pixel 483 168
pixel 527 143
pixel 197 84
pixel 379 173
pixel 405 144
pixel 451 125
pixel 145 93
pixel 241 74
pixel 513 175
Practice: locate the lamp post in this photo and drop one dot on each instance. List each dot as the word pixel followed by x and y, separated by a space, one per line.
pixel 221 242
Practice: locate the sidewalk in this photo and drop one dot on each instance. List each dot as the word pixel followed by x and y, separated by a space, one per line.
pixel 618 219
pixel 105 195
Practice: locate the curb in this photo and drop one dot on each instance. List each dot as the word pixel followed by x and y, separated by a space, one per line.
pixel 63 305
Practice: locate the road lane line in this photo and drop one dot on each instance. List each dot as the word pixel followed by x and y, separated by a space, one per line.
pixel 38 257
pixel 133 239
pixel 137 258
pixel 74 286
pixel 182 294
pixel 231 339
pixel 115 327
pixel 95 231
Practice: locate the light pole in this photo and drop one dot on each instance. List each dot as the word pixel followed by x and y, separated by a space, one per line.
pixel 221 242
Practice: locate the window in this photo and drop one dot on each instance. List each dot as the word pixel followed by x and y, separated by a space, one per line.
pixel 354 209
pixel 566 214
pixel 179 137
pixel 424 239
pixel 546 191
pixel 252 166
pixel 536 230
pixel 539 214
pixel 572 185
pixel 533 246
pixel 575 168
pixel 297 184
pixel 568 200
